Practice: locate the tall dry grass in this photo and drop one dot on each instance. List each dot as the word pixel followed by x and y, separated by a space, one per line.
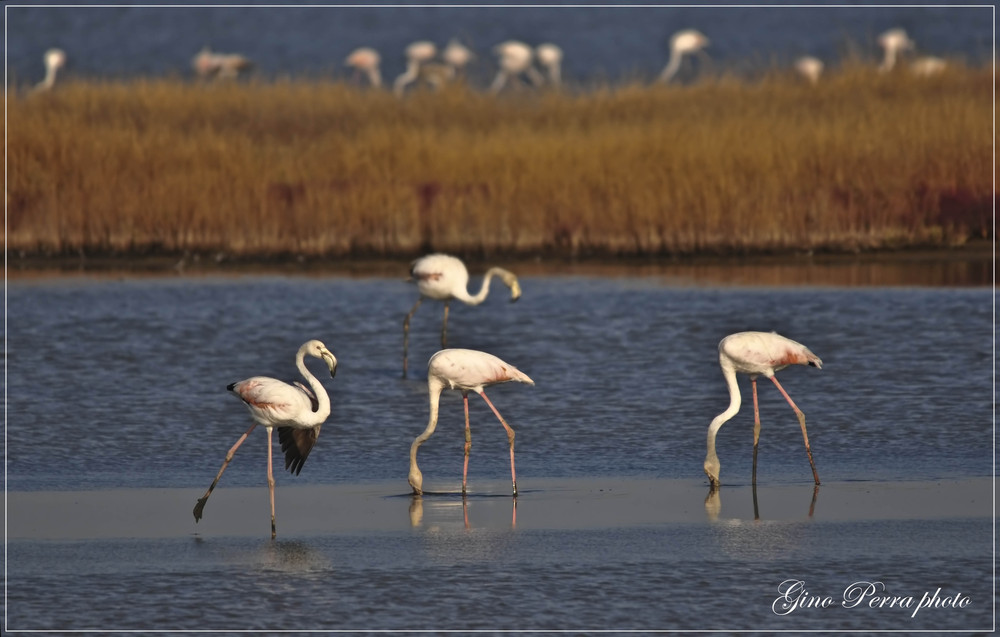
pixel 311 168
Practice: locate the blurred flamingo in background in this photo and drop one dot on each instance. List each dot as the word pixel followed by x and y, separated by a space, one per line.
pixel 54 59
pixel 465 370
pixel 366 60
pixel 893 43
pixel 550 57
pixel 810 68
pixel 417 54
pixel 296 410
pixel 514 58
pixel 443 277
pixel 208 64
pixel 756 353
pixel 686 42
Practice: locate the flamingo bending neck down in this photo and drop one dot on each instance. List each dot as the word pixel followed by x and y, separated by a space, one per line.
pixel 297 411
pixel 682 43
pixel 465 370
pixel 417 55
pixel 515 58
pixel 366 60
pixel 756 354
pixel 442 277
pixel 54 60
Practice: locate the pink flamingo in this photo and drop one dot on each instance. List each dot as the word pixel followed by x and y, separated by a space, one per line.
pixel 366 60
pixel 443 277
pixel 756 353
pixel 297 411
pixel 465 370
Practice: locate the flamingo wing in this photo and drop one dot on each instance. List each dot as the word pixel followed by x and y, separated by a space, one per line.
pixel 273 402
pixel 296 443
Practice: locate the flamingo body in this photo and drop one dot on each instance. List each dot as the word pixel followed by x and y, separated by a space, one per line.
pixel 457 55
pixel 296 410
pixel 417 55
pixel 442 277
pixel 465 370
pixel 893 42
pixel 810 68
pixel 550 56
pixel 756 354
pixel 514 58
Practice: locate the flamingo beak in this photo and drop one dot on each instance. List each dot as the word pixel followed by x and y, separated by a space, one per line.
pixel 515 291
pixel 331 362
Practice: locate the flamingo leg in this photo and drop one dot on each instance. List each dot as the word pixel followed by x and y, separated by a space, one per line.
pixel 468 441
pixel 802 422
pixel 200 506
pixel 756 430
pixel 510 439
pixel 270 481
pixel 406 332
pixel 444 327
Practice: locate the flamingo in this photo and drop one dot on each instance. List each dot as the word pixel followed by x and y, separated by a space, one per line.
pixel 366 60
pixel 682 43
pixel 756 353
pixel 810 68
pixel 465 370
pixel 515 59
pixel 296 410
pixel 457 55
pixel 417 54
pixel 54 60
pixel 208 64
pixel 928 66
pixel 893 42
pixel 550 56
pixel 443 277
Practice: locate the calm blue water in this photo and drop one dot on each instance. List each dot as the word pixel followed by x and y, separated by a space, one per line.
pixel 121 383
pixel 626 369
pixel 600 43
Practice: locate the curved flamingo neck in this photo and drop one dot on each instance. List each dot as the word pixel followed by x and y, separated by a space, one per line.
pixel 484 290
pixel 434 388
pixel 322 398
pixel 735 400
pixel 672 66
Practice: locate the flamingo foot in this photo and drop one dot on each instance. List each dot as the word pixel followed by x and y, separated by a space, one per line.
pixel 199 508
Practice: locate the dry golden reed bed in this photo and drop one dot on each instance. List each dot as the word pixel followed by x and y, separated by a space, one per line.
pixel 322 169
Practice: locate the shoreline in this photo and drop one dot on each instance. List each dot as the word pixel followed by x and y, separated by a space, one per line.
pixel 979 252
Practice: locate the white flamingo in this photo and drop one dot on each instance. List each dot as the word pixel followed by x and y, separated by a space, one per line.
pixel 457 56
pixel 550 57
pixel 514 58
pixel 208 64
pixel 442 277
pixel 366 60
pixel 465 370
pixel 928 66
pixel 686 42
pixel 54 60
pixel 296 410
pixel 893 43
pixel 810 68
pixel 417 55
pixel 756 354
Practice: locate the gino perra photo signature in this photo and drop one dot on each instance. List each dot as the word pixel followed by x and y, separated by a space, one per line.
pixel 793 597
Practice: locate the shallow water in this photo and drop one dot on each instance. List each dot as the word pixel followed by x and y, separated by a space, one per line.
pixel 120 383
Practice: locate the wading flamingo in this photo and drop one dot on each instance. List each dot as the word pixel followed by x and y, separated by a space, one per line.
pixel 756 354
pixel 54 60
pixel 442 277
pixel 465 370
pixel 928 66
pixel 296 410
pixel 366 60
pixel 417 55
pixel 810 68
pixel 550 56
pixel 515 58
pixel 682 43
pixel 893 42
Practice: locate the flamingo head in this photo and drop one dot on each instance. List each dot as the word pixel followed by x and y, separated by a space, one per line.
pixel 712 467
pixel 416 479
